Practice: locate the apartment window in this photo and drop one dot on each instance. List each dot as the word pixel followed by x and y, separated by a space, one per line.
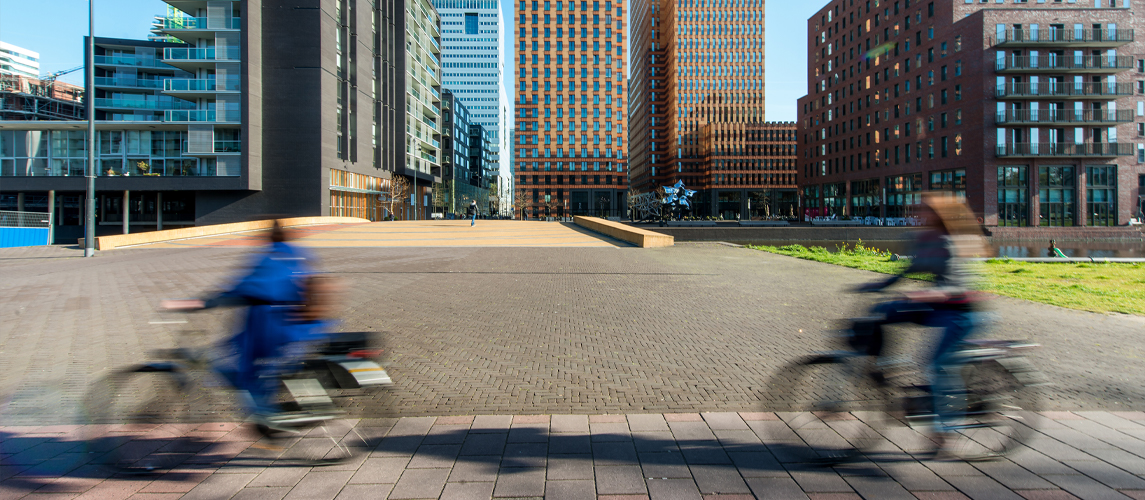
pixel 958 68
pixel 945 146
pixel 958 145
pixel 1141 130
pixel 1056 195
pixel 1013 207
pixel 930 10
pixel 958 43
pixel 958 92
pixel 1101 195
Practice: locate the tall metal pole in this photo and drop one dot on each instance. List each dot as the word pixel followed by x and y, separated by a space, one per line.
pixel 89 97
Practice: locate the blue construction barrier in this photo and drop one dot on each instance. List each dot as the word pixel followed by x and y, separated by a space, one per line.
pixel 23 236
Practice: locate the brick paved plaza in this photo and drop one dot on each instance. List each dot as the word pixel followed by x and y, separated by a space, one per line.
pixel 613 341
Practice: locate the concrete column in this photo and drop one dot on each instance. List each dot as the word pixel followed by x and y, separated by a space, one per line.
pixel 51 215
pixel 1081 215
pixel 1033 202
pixel 19 202
pixel 126 212
pixel 159 211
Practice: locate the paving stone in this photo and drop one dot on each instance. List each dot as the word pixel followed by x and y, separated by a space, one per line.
pixel 1084 487
pixel 718 479
pixel 1012 476
pixel 568 423
pixel 484 444
pixel 261 493
pixel 878 487
pixel 757 464
pixel 672 489
pixel 658 441
pixel 379 471
pixel 614 453
pixel 820 481
pixel 570 490
pixel 520 482
pixel 217 486
pixel 476 468
pixel 664 465
pixel 525 455
pixel 570 443
pixel 364 491
pixel 491 423
pixel 619 480
pixel 981 487
pixel 652 422
pixel 569 467
pixel 320 484
pixel 724 421
pixel 446 434
pixel 468 491
pixel 783 488
pixel 434 456
pixel 279 476
pixel 1108 475
pixel 939 495
pixel 420 483
pixel 1054 494
pixel 610 431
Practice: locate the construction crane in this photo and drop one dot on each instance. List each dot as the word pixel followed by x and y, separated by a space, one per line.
pixel 51 78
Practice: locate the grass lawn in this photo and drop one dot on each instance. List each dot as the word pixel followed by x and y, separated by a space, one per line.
pixel 1107 288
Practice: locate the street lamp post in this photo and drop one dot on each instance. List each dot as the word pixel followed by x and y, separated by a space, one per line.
pixel 89 97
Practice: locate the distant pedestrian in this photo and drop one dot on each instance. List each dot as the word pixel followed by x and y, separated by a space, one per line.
pixel 473 213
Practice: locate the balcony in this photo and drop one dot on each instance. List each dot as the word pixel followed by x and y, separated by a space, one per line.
pixel 1064 90
pixel 1065 150
pixel 1064 117
pixel 186 24
pixel 220 147
pixel 1053 63
pixel 1070 37
pixel 189 88
pixel 134 83
pixel 192 59
pixel 142 104
pixel 200 115
pixel 131 60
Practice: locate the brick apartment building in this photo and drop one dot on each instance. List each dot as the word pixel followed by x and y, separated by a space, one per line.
pixel 570 154
pixel 1033 111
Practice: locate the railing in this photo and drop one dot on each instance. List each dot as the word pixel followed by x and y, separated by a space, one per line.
pixel 228 146
pixel 142 104
pixel 1069 35
pixel 212 54
pixel 201 115
pixel 103 81
pixel 1063 89
pixel 1064 116
pixel 1064 62
pixel 24 219
pixel 1066 149
pixel 146 62
pixel 200 85
pixel 199 23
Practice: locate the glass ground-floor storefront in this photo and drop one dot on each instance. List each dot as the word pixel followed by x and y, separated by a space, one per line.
pixel 141 210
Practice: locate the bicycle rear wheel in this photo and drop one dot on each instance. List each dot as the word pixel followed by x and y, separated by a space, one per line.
pixel 130 410
pixel 831 406
pixel 1001 412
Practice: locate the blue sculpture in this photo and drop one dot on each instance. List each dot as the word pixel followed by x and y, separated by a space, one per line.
pixel 677 199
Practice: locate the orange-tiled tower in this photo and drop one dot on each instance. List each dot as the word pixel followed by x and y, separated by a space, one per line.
pixel 572 123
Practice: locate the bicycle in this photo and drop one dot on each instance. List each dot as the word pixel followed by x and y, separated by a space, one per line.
pixel 186 385
pixel 844 404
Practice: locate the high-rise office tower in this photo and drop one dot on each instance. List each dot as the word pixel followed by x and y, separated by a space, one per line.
pixel 572 124
pixel 697 64
pixel 472 43
pixel 1030 111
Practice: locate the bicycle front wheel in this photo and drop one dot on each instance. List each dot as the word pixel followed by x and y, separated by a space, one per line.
pixel 128 409
pixel 832 408
pixel 1001 412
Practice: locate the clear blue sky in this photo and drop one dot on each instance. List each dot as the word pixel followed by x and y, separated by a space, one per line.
pixel 55 29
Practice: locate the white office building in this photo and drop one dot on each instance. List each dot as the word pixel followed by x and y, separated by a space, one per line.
pixel 19 61
pixel 473 36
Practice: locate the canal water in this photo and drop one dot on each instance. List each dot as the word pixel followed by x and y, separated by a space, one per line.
pixel 999 248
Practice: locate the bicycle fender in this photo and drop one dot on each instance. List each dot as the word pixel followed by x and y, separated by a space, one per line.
pixel 355 374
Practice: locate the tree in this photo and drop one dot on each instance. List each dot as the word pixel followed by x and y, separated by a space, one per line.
pixel 397 189
pixel 520 203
